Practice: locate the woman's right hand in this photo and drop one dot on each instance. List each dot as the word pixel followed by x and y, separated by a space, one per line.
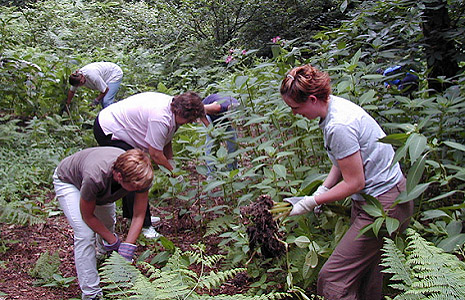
pixel 114 246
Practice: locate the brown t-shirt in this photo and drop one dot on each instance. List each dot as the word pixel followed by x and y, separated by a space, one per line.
pixel 90 170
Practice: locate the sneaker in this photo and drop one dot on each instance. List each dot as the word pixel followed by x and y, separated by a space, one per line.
pixel 150 233
pixel 154 220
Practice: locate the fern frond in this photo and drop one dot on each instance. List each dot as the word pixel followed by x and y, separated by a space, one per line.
pixel 269 296
pixel 215 279
pixel 394 262
pixel 219 225
pixel 435 274
pixel 118 274
pixel 174 281
pixel 10 214
pixel 200 258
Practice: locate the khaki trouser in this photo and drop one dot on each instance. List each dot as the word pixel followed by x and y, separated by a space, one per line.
pixel 353 271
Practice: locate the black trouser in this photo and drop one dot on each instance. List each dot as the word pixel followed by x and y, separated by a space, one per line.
pixel 128 200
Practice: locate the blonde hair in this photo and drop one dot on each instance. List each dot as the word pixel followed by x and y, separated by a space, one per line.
pixel 302 82
pixel 135 167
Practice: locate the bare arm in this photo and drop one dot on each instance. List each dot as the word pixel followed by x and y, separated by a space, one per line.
pixel 168 151
pixel 333 177
pixel 101 95
pixel 70 97
pixel 140 205
pixel 87 212
pixel 212 109
pixel 353 179
pixel 159 158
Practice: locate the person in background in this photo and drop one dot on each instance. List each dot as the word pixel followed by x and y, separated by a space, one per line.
pixel 216 106
pixel 147 121
pixel 87 184
pixel 361 165
pixel 406 82
pixel 105 77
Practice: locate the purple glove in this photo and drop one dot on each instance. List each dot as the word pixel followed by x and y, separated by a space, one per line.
pixel 127 250
pixel 114 246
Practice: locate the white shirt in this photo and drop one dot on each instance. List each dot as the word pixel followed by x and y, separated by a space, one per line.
pixel 99 74
pixel 141 120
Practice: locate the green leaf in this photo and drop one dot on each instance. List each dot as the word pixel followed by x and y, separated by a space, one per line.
pixel 280 170
pixel 455 145
pixel 415 173
pixel 377 224
pixel 396 139
pixel 240 81
pixel 214 184
pixel 400 153
pixel 302 241
pixel 442 196
pixel 452 243
pixel 416 145
pixel 392 225
pixel 373 210
pixel 416 192
pixel 434 214
pixel 364 229
pixel 311 259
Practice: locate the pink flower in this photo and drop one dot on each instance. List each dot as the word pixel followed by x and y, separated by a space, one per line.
pixel 229 59
pixel 231 51
pixel 275 39
pixel 244 52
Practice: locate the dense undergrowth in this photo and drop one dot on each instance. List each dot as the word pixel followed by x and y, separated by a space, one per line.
pixel 279 154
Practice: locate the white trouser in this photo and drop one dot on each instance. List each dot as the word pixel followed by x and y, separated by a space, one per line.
pixel 84 237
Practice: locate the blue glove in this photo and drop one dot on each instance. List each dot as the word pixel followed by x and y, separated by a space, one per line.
pixel 127 250
pixel 114 246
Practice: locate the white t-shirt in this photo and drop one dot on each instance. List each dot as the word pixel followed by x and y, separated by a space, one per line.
pixel 99 74
pixel 141 120
pixel 347 129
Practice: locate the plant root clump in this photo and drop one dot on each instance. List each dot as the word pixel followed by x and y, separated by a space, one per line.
pixel 262 230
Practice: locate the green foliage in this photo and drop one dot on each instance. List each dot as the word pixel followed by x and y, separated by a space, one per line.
pixel 47 272
pixel 174 46
pixel 29 154
pixel 173 281
pixel 423 271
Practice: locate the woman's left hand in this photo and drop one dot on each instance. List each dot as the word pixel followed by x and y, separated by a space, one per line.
pixel 127 250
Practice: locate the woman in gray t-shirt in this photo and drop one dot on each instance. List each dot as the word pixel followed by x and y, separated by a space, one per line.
pixel 361 165
pixel 87 184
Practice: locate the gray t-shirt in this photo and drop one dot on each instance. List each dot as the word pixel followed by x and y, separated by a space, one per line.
pixel 90 170
pixel 347 129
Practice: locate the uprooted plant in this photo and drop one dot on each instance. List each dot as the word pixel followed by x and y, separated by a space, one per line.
pixel 262 229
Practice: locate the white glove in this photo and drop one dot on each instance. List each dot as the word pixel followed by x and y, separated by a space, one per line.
pixel 320 190
pixel 303 205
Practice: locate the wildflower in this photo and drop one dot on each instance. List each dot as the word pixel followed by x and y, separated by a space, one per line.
pixel 231 51
pixel 275 39
pixel 244 52
pixel 229 59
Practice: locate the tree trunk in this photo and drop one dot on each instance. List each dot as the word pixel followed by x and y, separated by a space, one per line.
pixel 440 51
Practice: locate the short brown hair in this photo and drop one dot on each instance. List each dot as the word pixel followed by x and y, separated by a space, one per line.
pixel 302 82
pixel 188 106
pixel 75 79
pixel 135 167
